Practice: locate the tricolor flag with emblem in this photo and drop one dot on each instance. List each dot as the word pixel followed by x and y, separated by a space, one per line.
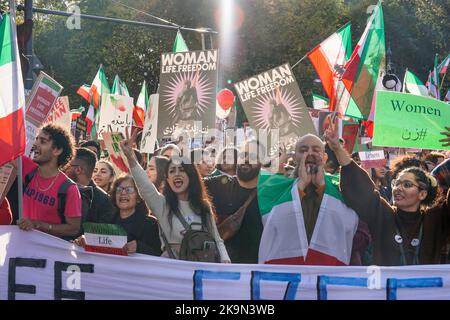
pixel 329 58
pixel 119 87
pixel 12 94
pixel 105 238
pixel 84 91
pixel 99 87
pixel 433 81
pixel 284 239
pixel 363 69
pixel 412 84
pixel 319 102
pixel 179 45
pixel 140 108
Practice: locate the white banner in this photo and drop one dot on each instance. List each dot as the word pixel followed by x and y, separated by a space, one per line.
pixel 116 114
pixel 151 125
pixel 34 265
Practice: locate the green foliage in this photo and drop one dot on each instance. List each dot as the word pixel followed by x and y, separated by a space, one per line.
pixel 273 32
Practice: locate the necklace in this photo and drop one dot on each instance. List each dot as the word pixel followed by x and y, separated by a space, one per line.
pixel 51 184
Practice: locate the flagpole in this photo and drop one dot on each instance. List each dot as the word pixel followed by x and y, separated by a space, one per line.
pixel 299 61
pixel 440 88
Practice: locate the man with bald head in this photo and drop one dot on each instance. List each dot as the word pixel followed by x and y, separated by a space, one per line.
pixel 305 219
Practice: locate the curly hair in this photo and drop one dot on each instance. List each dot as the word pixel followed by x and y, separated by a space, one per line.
pixel 61 139
pixel 434 193
pixel 404 162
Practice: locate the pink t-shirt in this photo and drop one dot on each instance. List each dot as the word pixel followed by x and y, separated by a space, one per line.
pixel 42 204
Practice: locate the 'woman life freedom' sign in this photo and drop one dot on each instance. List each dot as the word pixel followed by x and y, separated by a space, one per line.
pixel 409 121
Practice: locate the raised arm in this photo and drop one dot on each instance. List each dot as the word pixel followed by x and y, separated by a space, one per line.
pixel 153 199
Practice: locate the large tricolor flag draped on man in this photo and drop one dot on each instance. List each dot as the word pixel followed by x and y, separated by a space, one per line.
pixel 329 58
pixel 284 239
pixel 12 95
pixel 367 60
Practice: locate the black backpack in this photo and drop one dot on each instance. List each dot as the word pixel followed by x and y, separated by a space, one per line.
pixel 86 192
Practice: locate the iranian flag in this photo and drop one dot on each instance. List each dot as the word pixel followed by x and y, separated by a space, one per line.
pixel 75 113
pixel 319 102
pixel 179 45
pixel 84 91
pixel 284 239
pixel 433 81
pixel 119 87
pixel 412 84
pixel 105 238
pixel 447 96
pixel 329 58
pixel 12 95
pixel 99 86
pixel 443 66
pixel 90 120
pixel 363 68
pixel 141 107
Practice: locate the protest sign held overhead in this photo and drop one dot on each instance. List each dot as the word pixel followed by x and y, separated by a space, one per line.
pixel 188 91
pixel 116 155
pixel 60 113
pixel 116 113
pixel 150 126
pixel 272 100
pixel 39 104
pixel 409 121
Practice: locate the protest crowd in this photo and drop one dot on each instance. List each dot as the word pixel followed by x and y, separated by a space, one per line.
pixel 317 198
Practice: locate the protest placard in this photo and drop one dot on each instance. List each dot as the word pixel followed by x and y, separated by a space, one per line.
pixel 409 121
pixel 150 130
pixel 7 175
pixel 272 100
pixel 39 103
pixel 60 113
pixel 187 92
pixel 116 155
pixel 116 114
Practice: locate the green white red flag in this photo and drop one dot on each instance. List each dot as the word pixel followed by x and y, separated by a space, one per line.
pixel 140 108
pixel 12 94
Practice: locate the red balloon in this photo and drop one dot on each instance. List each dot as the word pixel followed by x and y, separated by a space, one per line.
pixel 225 98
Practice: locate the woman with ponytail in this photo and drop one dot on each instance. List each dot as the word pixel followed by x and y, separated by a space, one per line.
pixel 411 231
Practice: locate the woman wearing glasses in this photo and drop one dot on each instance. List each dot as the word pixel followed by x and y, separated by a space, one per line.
pixel 132 215
pixel 411 231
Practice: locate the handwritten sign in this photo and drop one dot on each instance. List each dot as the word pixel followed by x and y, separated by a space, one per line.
pixel 116 155
pixel 7 175
pixel 39 103
pixel 150 126
pixel 60 114
pixel 116 113
pixel 409 121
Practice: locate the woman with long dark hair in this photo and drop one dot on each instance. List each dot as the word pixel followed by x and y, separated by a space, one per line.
pixel 156 171
pixel 184 193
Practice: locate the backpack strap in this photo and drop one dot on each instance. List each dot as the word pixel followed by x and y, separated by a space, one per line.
pixel 29 177
pixel 182 220
pixel 167 245
pixel 62 195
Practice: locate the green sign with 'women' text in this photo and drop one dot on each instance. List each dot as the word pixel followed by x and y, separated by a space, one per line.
pixel 409 121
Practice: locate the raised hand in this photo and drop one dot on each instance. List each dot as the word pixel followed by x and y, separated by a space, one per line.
pixel 446 140
pixel 318 178
pixel 331 134
pixel 127 145
pixel 304 174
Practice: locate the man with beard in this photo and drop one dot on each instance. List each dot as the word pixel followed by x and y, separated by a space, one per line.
pixel 80 170
pixel 42 179
pixel 305 219
pixel 229 193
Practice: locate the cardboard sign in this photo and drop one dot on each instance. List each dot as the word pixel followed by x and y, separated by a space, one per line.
pixel 150 131
pixel 116 155
pixel 409 121
pixel 60 114
pixel 372 159
pixel 116 114
pixel 272 100
pixel 7 176
pixel 187 92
